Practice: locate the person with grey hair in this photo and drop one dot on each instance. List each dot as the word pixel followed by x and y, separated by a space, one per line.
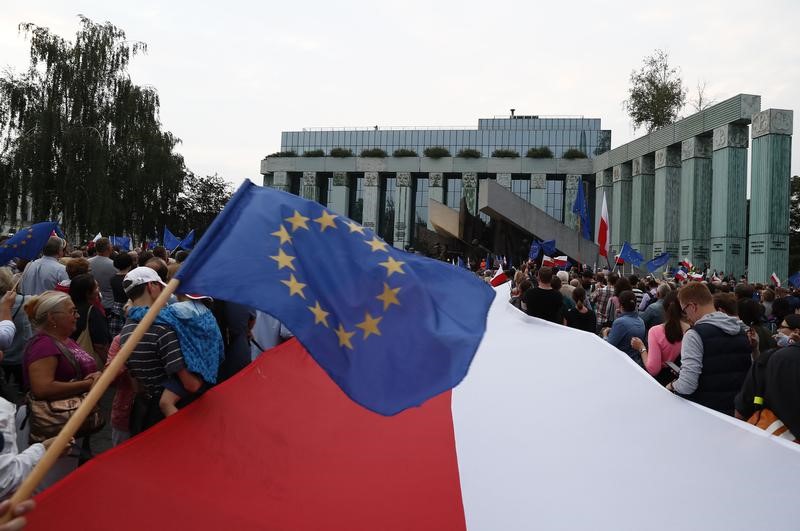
pixel 654 313
pixel 46 272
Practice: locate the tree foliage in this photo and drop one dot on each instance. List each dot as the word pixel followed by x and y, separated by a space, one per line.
pixel 81 142
pixel 656 94
pixel 200 201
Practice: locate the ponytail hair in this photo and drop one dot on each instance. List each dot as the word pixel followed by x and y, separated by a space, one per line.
pixel 39 307
pixel 579 296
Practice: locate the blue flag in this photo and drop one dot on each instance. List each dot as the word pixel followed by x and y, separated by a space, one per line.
pixel 658 261
pixel 27 243
pixel 391 328
pixel 549 247
pixel 123 242
pixel 171 242
pixel 188 242
pixel 794 280
pixel 580 208
pixel 535 250
pixel 630 255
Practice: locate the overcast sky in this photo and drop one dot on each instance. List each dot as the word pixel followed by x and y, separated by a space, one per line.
pixel 232 75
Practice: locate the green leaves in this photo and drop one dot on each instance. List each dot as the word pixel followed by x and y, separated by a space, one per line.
pixel 656 94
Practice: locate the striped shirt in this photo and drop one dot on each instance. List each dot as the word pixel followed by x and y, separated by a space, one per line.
pixel 157 356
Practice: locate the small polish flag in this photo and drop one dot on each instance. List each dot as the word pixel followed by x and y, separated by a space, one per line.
pixel 547 261
pixel 680 274
pixel 499 277
pixel 561 261
pixel 99 235
pixel 696 276
pixel 686 263
pixel 602 229
pixel 618 260
pixel 775 280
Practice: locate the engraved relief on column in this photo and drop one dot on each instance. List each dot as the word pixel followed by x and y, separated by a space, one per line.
pixel 470 187
pixel 371 200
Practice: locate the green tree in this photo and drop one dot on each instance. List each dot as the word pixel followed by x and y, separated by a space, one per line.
pixel 80 141
pixel 656 94
pixel 794 224
pixel 201 199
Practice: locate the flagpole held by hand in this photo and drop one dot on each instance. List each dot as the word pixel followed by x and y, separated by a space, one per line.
pixel 69 430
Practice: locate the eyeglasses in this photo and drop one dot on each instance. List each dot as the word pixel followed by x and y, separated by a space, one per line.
pixel 73 311
pixel 683 308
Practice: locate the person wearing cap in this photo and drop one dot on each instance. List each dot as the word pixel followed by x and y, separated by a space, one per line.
pixel 157 357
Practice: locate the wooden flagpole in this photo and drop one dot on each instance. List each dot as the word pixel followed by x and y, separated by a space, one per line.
pixel 71 427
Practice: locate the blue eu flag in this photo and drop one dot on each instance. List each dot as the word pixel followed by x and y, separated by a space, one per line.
pixel 392 329
pixel 123 242
pixel 630 255
pixel 27 243
pixel 188 242
pixel 171 242
pixel 658 261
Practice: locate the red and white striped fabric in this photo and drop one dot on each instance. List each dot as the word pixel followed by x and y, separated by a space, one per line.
pixel 565 432
pixel 548 261
pixel 775 279
pixel 561 261
pixel 603 231
pixel 680 274
pixel 697 277
pixel 499 278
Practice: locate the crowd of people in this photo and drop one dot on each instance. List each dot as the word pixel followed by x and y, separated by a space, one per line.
pixel 66 315
pixel 731 346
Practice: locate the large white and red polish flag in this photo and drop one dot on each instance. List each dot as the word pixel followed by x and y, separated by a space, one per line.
pixel 551 429
pixel 603 234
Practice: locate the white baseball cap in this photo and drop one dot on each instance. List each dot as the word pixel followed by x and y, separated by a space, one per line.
pixel 139 276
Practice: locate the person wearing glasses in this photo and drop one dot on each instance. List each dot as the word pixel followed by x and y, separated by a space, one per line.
pixel 715 353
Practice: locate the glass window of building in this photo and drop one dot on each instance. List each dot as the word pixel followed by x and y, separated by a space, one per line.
pixel 554 199
pixel 357 199
pixel 453 192
pixel 421 201
pixel 388 202
pixel 522 187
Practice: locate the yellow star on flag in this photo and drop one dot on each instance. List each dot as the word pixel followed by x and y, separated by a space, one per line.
pixel 326 220
pixel 284 260
pixel 389 296
pixel 344 337
pixel 393 266
pixel 283 234
pixel 376 244
pixel 298 221
pixel 355 227
pixel 320 315
pixel 295 287
pixel 369 325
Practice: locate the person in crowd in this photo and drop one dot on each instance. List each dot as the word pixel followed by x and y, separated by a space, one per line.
pixel 235 322
pixel 123 399
pixel 55 366
pixel 18 520
pixel 750 313
pixel 726 303
pixel 134 258
pixel 156 357
pixel 123 263
pixel 637 289
pixel 650 296
pixel 91 329
pixel 663 340
pixel 542 301
pixel 566 302
pixel 654 313
pixel 516 300
pixel 715 354
pixel 43 274
pixel 103 270
pixel 74 267
pixel 627 326
pixel 268 332
pixel 161 252
pixel 614 308
pixel 181 256
pixel 566 289
pixel 604 290
pixel 743 291
pixel 767 298
pixel 788 331
pixel 11 374
pixel 7 327
pixel 581 316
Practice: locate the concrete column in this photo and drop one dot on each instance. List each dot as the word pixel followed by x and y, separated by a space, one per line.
pixel 309 188
pixel 280 181
pixel 728 236
pixel 768 246
pixel 372 196
pixel 603 184
pixel 435 190
pixel 621 211
pixel 504 180
pixel 267 180
pixel 470 191
pixel 643 186
pixel 570 193
pixel 539 190
pixel 339 201
pixel 666 202
pixel 403 223
pixel 695 209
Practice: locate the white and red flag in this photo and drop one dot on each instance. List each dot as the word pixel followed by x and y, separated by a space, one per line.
pixel 561 261
pixel 680 274
pixel 548 261
pixel 499 277
pixel 603 232
pixel 280 446
pixel 775 279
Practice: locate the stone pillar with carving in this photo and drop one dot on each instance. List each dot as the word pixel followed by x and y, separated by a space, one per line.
pixel 621 211
pixel 666 202
pixel 768 245
pixel 469 181
pixel 280 181
pixel 309 186
pixel 435 190
pixel 695 209
pixel 728 236
pixel 539 190
pixel 372 196
pixel 643 181
pixel 403 227
pixel 504 180
pixel 603 184
pixel 339 201
pixel 570 193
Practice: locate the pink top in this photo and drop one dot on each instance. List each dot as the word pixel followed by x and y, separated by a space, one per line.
pixel 43 346
pixel 659 350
